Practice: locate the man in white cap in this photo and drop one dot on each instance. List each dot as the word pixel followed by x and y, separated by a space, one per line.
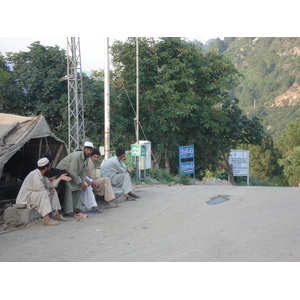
pixel 37 192
pixel 75 164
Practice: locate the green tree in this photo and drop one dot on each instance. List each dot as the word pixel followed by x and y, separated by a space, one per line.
pixel 4 82
pixel 291 167
pixel 93 91
pixel 264 159
pixel 289 147
pixel 36 82
pixel 230 129
pixel 290 139
pixel 183 98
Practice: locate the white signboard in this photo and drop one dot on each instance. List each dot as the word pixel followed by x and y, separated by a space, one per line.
pixel 239 159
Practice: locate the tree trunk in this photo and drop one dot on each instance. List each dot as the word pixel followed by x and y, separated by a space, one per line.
pixel 229 168
pixel 167 161
pixel 156 160
pixel 231 177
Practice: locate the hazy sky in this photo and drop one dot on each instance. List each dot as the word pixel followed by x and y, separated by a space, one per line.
pixel 92 22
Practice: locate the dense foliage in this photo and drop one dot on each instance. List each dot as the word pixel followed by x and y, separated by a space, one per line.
pixel 289 147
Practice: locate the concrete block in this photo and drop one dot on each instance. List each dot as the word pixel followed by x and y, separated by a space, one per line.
pixel 20 215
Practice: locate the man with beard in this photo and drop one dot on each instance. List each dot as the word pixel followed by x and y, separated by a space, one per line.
pixel 75 164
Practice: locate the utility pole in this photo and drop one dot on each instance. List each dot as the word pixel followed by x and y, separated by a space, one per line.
pixel 75 95
pixel 137 91
pixel 106 102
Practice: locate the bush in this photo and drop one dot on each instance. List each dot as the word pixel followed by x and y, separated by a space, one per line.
pixel 163 176
pixel 254 181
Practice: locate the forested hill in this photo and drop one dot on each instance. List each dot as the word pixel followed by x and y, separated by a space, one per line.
pixel 270 85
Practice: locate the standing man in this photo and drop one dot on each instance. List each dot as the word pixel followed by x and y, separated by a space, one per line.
pixel 116 170
pixel 37 192
pixel 75 164
pixel 101 186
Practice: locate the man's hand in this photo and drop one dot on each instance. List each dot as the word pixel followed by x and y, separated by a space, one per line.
pixel 96 185
pixel 88 182
pixel 65 177
pixel 83 186
pixel 130 169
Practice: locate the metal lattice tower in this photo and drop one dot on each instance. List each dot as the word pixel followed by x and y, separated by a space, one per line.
pixel 75 95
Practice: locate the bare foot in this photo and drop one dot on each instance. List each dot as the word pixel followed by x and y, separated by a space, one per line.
pixel 49 222
pixel 59 217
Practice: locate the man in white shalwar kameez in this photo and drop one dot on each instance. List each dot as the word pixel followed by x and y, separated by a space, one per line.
pixel 116 170
pixel 100 185
pixel 37 192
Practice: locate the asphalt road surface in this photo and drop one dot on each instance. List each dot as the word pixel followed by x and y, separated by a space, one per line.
pixel 172 224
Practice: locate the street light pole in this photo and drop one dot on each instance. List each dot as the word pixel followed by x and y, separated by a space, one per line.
pixel 106 103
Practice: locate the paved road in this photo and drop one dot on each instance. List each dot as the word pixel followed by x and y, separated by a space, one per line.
pixel 172 224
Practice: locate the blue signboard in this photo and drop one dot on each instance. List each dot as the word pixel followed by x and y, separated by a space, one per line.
pixel 188 166
pixel 186 152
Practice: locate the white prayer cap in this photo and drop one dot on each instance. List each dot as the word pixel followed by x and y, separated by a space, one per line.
pixel 43 162
pixel 88 144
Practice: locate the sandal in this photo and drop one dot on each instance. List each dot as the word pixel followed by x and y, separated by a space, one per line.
pixel 129 198
pixel 133 195
pixel 95 211
pixel 71 214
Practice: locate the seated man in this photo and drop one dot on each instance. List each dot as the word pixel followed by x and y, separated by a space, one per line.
pixel 75 164
pixel 116 170
pixel 37 192
pixel 101 186
pixel 54 173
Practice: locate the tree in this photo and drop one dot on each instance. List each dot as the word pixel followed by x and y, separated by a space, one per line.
pixel 93 91
pixel 230 129
pixel 289 139
pixel 36 82
pixel 289 147
pixel 291 167
pixel 264 159
pixel 183 97
pixel 4 82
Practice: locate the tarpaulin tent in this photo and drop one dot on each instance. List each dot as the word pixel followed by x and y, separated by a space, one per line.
pixel 22 141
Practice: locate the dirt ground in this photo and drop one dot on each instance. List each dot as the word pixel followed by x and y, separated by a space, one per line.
pixel 171 224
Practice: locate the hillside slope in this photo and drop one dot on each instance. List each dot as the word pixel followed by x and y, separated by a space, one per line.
pixel 270 84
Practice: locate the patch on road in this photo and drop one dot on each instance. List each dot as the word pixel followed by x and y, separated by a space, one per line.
pixel 218 199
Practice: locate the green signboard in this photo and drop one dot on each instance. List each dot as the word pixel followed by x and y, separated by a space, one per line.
pixel 138 150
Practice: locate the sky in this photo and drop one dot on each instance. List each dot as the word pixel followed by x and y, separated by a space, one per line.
pixel 92 22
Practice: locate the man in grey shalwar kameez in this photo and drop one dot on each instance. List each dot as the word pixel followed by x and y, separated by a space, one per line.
pixel 37 192
pixel 116 170
pixel 75 164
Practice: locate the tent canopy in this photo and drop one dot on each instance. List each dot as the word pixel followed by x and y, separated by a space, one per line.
pixel 22 141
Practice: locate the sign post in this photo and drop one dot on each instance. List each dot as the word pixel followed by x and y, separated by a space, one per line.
pixel 187 166
pixel 239 159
